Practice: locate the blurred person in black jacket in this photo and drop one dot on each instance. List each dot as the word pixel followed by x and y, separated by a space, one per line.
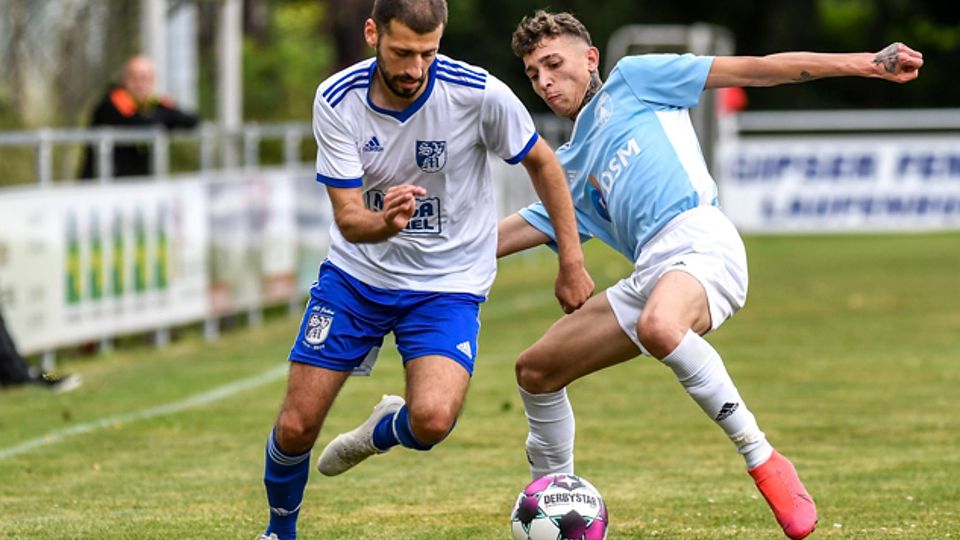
pixel 133 103
pixel 15 371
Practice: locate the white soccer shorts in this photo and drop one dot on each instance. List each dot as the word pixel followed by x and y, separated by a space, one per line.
pixel 701 242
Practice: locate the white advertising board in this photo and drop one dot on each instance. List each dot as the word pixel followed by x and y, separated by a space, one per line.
pixel 842 183
pixel 314 217
pixel 253 239
pixel 86 262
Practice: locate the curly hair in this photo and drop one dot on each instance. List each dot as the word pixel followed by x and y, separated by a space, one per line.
pixel 543 24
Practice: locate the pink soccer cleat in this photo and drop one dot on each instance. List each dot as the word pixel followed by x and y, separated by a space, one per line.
pixel 793 507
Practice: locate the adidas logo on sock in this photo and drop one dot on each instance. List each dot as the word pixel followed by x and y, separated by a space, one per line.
pixel 465 348
pixel 728 408
pixel 283 512
pixel 373 145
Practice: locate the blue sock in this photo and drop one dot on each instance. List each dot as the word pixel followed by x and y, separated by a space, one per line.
pixel 395 429
pixel 383 436
pixel 285 477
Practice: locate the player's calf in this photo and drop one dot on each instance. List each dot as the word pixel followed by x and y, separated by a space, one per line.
pixel 552 431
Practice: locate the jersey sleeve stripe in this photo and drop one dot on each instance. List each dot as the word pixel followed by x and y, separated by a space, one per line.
pixel 454 66
pixel 465 73
pixel 339 98
pixel 462 82
pixel 340 182
pixel 346 86
pixel 526 150
pixel 346 79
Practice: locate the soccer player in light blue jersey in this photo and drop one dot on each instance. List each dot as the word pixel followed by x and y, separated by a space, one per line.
pixel 403 142
pixel 640 184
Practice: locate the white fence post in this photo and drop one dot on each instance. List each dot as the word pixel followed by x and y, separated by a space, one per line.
pixel 44 158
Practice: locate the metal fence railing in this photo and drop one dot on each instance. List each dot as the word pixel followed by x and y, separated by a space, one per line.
pixel 215 147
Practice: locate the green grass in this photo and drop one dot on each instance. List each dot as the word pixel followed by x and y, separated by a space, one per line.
pixel 848 352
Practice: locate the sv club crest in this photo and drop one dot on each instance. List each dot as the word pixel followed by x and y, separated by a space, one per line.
pixel 431 155
pixel 318 327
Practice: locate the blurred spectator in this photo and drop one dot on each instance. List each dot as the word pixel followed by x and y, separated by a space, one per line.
pixel 132 103
pixel 14 370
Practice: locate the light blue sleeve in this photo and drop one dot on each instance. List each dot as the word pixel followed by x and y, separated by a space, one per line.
pixel 668 79
pixel 536 215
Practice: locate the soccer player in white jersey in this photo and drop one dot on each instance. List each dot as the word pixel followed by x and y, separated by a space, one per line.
pixel 639 184
pixel 402 150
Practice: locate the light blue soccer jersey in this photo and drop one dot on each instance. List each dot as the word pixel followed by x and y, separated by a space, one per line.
pixel 633 162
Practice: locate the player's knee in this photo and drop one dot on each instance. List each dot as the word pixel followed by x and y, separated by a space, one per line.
pixel 295 432
pixel 431 424
pixel 532 377
pixel 658 334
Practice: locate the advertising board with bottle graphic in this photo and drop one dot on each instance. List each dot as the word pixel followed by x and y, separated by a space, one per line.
pixel 86 262
pixel 114 260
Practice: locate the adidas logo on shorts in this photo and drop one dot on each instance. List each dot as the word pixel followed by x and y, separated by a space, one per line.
pixel 465 348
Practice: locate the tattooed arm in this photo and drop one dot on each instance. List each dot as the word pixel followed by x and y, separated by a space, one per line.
pixel 896 62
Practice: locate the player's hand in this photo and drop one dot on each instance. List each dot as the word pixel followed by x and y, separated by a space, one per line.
pixel 574 287
pixel 898 63
pixel 399 205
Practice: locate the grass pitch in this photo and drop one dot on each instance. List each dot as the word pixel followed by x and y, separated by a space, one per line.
pixel 848 352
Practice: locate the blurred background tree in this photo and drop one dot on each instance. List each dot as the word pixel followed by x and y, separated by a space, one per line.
pixel 480 32
pixel 57 56
pixel 287 50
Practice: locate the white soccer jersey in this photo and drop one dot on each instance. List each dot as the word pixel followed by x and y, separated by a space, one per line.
pixel 439 142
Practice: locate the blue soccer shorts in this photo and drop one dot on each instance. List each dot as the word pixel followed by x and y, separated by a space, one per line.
pixel 346 318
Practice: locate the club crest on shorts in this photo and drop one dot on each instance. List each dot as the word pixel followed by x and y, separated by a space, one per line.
pixel 431 155
pixel 318 327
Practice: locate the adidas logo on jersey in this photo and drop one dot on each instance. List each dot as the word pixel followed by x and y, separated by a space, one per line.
pixel 465 348
pixel 373 145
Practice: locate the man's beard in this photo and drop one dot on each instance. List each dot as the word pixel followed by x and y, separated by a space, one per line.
pixel 392 80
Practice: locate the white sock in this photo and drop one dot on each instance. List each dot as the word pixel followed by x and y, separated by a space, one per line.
pixel 700 370
pixel 552 429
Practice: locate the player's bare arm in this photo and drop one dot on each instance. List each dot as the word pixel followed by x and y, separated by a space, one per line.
pixel 896 62
pixel 574 285
pixel 515 234
pixel 359 225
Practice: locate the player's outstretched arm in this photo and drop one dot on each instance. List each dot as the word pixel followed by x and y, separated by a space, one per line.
pixel 515 234
pixel 574 285
pixel 896 62
pixel 359 225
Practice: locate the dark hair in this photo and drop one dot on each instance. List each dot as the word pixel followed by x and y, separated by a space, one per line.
pixel 532 30
pixel 421 16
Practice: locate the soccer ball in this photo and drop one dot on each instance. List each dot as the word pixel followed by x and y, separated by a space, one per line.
pixel 559 507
